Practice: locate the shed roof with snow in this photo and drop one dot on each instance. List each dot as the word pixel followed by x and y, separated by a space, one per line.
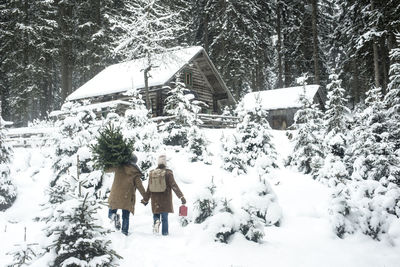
pixel 283 103
pixel 282 98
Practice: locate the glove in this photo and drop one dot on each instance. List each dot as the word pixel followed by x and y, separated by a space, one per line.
pixel 144 202
pixel 183 200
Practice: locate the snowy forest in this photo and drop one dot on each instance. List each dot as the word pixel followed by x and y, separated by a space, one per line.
pixel 50 48
pixel 324 192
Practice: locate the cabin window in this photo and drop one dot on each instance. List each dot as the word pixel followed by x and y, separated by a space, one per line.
pixel 188 79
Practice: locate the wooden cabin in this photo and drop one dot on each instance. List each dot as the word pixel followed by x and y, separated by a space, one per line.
pixel 192 64
pixel 283 103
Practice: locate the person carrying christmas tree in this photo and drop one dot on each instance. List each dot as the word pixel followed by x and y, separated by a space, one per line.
pixel 123 190
pixel 159 191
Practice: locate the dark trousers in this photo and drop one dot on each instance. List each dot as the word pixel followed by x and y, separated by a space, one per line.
pixel 164 221
pixel 125 219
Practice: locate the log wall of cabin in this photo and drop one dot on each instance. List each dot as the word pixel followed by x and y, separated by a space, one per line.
pixel 199 86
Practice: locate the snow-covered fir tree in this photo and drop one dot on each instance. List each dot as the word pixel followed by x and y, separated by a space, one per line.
pixel 223 224
pixel 197 145
pixel 308 150
pixel 8 191
pixel 182 105
pixel 142 131
pixel 75 238
pixel 205 203
pixel 232 155
pixel 374 193
pixel 335 134
pixel 251 142
pixel 392 98
pixel 23 254
pixel 261 201
pixel 343 217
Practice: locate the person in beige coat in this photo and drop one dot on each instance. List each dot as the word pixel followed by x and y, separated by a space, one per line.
pixel 161 202
pixel 123 192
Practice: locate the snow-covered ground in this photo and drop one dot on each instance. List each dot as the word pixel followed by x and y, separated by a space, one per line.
pixel 304 238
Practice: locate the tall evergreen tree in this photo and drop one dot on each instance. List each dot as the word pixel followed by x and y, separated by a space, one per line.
pixel 8 192
pixel 308 150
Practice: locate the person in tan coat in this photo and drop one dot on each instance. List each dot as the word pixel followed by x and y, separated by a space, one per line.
pixel 123 192
pixel 161 202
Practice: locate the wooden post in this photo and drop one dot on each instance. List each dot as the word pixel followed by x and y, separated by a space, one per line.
pixel 25 234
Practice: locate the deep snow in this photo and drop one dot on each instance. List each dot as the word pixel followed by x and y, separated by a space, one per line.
pixel 305 237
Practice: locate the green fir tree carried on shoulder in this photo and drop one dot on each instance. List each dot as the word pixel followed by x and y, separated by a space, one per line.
pixel 111 148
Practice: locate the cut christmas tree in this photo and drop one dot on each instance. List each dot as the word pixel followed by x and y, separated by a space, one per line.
pixel 111 148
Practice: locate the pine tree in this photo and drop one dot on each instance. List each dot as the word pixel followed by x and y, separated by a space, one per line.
pixel 197 145
pixel 8 191
pixel 142 132
pixel 223 222
pixel 205 204
pixel 308 150
pixel 343 217
pixel 251 143
pixel 260 208
pixel 182 105
pixel 149 28
pixel 392 99
pixel 232 155
pixel 237 37
pixel 375 169
pixel 77 238
pixel 111 148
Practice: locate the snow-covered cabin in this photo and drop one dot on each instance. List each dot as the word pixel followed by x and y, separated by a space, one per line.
pixel 192 63
pixel 282 103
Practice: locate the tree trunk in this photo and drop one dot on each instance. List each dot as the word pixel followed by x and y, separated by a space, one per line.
pixel 376 55
pixel 278 46
pixel 65 12
pixel 205 33
pixel 314 4
pixel 146 86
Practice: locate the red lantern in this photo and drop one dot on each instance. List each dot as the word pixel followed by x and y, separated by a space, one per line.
pixel 183 210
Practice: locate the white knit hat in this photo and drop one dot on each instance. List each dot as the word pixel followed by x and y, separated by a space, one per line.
pixel 162 160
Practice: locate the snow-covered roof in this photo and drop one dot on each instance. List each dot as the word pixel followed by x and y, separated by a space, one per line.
pixel 280 98
pixel 96 106
pixel 129 75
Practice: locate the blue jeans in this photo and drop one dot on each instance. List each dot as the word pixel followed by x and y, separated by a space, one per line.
pixel 164 221
pixel 125 219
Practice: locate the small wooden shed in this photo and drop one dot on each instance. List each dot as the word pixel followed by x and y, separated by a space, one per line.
pixel 283 103
pixel 192 63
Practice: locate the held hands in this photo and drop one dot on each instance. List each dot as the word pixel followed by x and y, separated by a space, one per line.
pixel 183 200
pixel 144 202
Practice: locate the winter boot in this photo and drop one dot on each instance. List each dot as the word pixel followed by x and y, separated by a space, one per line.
pixel 156 227
pixel 117 222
